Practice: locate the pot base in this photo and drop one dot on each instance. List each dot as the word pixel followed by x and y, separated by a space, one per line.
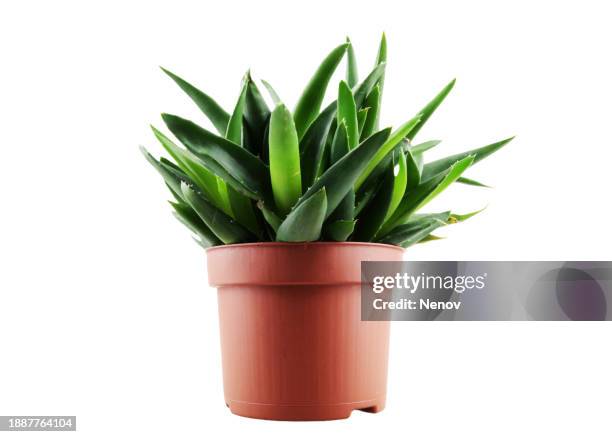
pixel 304 412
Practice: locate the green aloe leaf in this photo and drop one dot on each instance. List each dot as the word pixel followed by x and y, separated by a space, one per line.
pixel 340 143
pixel 234 126
pixel 217 115
pixel 236 166
pixel 305 221
pixel 454 218
pixel 347 113
pixel 368 84
pixel 415 230
pixel 373 216
pixel 365 195
pixel 186 215
pixel 381 56
pixel 256 118
pixel 395 138
pixel 193 167
pixel 415 167
pixel 273 94
pixel 360 94
pixel 240 205
pixel 270 216
pixel 431 237
pixel 339 179
pixel 222 225
pixel 345 210
pixel 467 181
pixel 340 230
pixel 172 175
pixel 352 77
pixel 400 181
pixel 372 102
pixel 312 145
pixel 424 147
pixel 361 91
pixel 223 190
pixel 373 182
pixel 433 168
pixel 362 116
pixel 429 109
pixel 421 195
pixel 284 160
pixel 309 103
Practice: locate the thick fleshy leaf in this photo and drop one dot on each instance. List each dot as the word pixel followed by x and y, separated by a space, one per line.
pixel 395 138
pixel 186 215
pixel 362 116
pixel 256 118
pixel 368 84
pixel 454 218
pixel 242 210
pixel 361 91
pixel 373 103
pixel 222 225
pixel 284 160
pixel 270 216
pixel 273 94
pixel 194 168
pixel 374 180
pixel 312 145
pixel 431 237
pixel 339 230
pixel 305 221
pixel 340 144
pixel 400 181
pixel 339 179
pixel 424 147
pixel 381 56
pixel 365 195
pixel 347 113
pixel 215 113
pixel 372 217
pixel 309 103
pixel 352 77
pixel 429 109
pixel 172 175
pixel 235 165
pixel 433 168
pixel 467 181
pixel 415 230
pixel 414 165
pixel 241 206
pixel 421 195
pixel 234 126
pixel 265 151
pixel 346 208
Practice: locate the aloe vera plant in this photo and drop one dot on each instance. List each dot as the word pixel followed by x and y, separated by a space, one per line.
pixel 314 173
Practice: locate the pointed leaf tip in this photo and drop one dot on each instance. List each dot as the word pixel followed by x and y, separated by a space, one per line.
pixel 308 105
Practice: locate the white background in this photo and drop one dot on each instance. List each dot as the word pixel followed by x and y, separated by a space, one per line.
pixel 104 309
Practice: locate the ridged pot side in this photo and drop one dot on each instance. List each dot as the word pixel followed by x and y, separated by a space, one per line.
pixel 293 343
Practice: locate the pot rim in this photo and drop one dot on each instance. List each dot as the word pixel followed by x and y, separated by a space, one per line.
pixel 308 243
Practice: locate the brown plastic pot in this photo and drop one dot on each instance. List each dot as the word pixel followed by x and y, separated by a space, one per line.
pixel 292 340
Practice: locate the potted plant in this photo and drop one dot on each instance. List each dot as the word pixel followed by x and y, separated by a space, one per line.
pixel 287 205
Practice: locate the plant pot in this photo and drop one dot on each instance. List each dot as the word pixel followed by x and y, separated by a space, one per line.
pixel 292 340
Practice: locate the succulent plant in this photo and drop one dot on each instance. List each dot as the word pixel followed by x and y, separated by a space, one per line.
pixel 311 174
